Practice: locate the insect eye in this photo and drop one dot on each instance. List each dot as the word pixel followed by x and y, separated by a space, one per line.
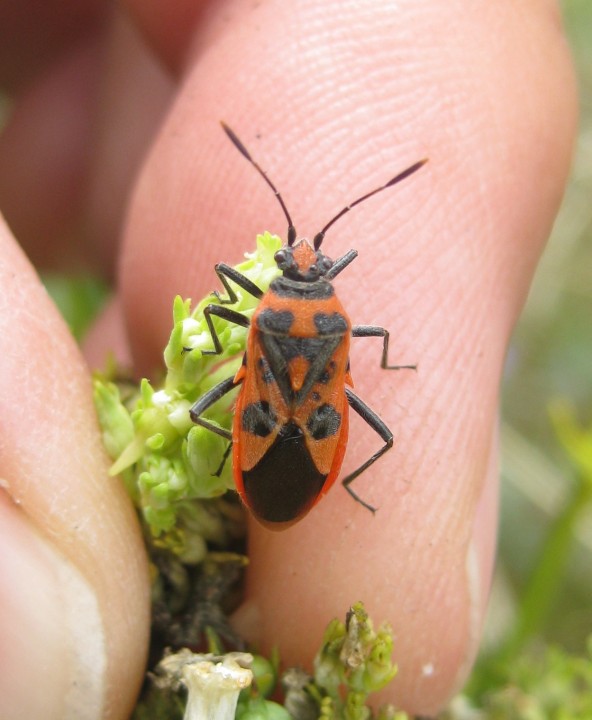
pixel 280 257
pixel 324 263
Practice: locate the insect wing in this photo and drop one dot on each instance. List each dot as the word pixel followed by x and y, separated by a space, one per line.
pixel 290 427
pixel 260 410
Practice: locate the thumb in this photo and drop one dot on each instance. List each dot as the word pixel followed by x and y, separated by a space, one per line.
pixel 73 580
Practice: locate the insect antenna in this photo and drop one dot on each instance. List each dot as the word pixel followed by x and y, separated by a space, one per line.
pixel 243 151
pixel 318 238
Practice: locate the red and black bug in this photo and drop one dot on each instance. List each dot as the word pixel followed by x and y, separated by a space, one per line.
pixel 290 424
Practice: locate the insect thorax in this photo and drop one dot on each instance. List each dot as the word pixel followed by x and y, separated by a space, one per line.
pixel 288 288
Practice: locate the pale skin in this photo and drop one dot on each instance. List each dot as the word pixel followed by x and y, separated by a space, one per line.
pixel 333 99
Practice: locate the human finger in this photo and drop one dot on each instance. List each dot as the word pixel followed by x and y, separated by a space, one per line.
pixel 348 96
pixel 74 581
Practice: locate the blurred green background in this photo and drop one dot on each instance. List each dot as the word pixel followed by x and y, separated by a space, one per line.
pixel 551 357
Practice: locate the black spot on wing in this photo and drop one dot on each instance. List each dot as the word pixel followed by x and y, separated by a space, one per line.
pixel 323 422
pixel 258 419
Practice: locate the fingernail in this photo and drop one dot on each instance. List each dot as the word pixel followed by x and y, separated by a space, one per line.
pixel 52 644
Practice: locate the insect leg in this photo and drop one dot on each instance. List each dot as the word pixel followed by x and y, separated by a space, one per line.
pixel 226 314
pixel 377 331
pixel 225 273
pixel 206 401
pixel 369 416
pixel 224 459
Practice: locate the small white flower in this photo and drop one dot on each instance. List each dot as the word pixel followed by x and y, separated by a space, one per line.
pixel 160 398
pixel 213 682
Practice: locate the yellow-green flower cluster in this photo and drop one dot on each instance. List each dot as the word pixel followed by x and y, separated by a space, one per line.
pixel 169 464
pixel 354 661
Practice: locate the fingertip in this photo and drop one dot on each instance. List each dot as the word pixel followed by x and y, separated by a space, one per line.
pixel 445 262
